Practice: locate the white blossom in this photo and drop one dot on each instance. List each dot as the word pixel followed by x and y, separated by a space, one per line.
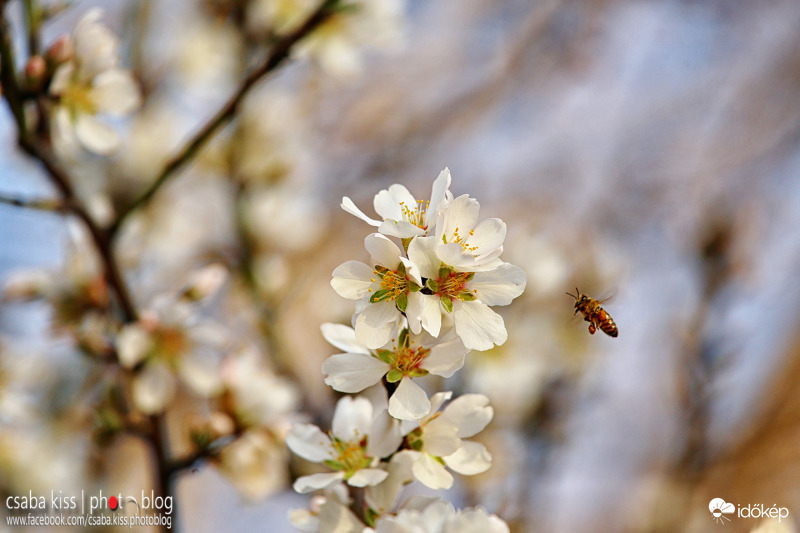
pixel 89 84
pixel 402 359
pixel 437 441
pixel 359 438
pixel 387 288
pixel 441 517
pixel 403 215
pixel 465 296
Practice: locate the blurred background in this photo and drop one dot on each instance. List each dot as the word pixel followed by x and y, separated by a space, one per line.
pixel 646 149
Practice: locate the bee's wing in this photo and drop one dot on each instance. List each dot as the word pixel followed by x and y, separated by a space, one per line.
pixel 609 295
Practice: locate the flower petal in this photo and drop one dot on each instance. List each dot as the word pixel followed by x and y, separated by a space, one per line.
pixel 343 337
pixel 423 311
pixel 422 252
pixel 336 518
pixel 306 484
pixel 309 442
pixel 389 202
pixel 353 280
pixel 367 477
pixel 115 92
pixel 352 418
pixel 440 437
pixel 460 215
pixel 133 343
pixel 446 358
pixel 409 401
pixel 400 229
pixel 384 436
pixel 438 193
pixel 499 286
pixel 153 388
pixel 472 458
pixel 479 327
pixel 376 324
pixel 353 372
pixel 431 472
pixel 350 207
pixel 382 251
pixel 96 136
pixel 470 412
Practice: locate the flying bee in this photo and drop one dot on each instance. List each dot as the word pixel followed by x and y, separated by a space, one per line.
pixel 594 314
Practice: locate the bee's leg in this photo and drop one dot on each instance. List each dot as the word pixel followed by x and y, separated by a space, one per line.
pixel 592 328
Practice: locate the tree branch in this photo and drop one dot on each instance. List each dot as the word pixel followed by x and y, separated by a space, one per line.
pixel 41 204
pixel 279 53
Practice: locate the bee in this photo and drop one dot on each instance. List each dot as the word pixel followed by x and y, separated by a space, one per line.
pixel 594 314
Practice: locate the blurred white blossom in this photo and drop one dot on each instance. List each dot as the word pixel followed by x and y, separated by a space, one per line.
pixel 88 84
pixel 441 517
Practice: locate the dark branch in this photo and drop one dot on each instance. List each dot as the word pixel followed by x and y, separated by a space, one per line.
pixel 279 53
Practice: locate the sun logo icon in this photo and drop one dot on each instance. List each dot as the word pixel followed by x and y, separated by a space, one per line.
pixel 719 508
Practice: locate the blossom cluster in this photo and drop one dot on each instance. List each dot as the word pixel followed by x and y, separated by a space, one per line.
pixel 421 306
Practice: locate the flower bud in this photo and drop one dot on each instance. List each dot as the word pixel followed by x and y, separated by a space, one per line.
pixel 35 70
pixel 60 51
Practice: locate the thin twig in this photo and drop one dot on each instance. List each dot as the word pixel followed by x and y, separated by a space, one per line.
pixel 279 53
pixel 8 77
pixel 40 204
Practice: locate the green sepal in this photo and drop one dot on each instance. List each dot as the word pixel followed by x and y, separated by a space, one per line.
pixel 447 303
pixel 402 302
pixel 333 465
pixel 402 339
pixel 433 285
pixel 417 373
pixel 415 444
pixel 470 276
pixel 379 296
pixel 381 270
pixel 394 375
pixel 467 297
pixel 444 272
pixel 401 269
pixel 386 356
pixel 371 516
pixel 413 287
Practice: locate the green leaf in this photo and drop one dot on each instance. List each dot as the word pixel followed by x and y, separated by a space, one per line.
pixel 447 303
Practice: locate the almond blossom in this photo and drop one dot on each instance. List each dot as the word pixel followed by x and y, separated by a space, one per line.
pixel 441 517
pixel 386 289
pixel 88 84
pixel 359 438
pixel 407 357
pixel 465 296
pixel 403 215
pixel 436 441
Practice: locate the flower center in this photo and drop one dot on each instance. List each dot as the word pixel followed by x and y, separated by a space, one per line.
pixel 394 285
pixel 407 360
pixel 78 99
pixel 454 284
pixel 416 214
pixel 351 456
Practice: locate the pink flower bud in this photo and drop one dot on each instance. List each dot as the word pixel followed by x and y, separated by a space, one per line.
pixel 61 50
